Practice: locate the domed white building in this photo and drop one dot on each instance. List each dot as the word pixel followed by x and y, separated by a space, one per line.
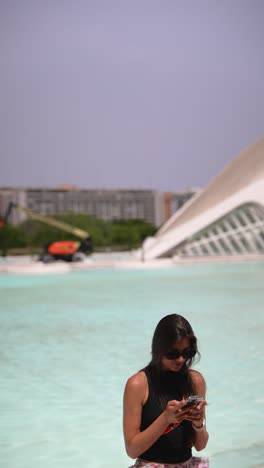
pixel 225 219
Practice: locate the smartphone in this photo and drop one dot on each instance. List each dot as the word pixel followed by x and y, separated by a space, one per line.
pixel 193 400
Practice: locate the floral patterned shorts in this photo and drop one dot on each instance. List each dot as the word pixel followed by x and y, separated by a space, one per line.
pixel 194 462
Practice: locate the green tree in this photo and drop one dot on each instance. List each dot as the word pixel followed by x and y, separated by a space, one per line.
pixel 10 237
pixel 34 234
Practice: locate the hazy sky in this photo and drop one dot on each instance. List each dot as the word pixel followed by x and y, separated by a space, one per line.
pixel 128 94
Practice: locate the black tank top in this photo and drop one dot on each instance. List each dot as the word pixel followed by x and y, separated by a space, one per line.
pixel 171 447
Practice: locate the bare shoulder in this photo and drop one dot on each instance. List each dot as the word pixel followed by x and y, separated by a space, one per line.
pixel 137 381
pixel 137 385
pixel 198 381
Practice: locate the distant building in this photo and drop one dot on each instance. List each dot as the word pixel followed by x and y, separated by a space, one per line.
pixel 146 205
pixel 173 201
pixel 15 195
pixel 225 219
pixel 151 206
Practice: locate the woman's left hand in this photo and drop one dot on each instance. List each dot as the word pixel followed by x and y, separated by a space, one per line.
pixel 196 414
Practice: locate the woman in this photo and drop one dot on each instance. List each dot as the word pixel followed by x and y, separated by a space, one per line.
pixel 158 430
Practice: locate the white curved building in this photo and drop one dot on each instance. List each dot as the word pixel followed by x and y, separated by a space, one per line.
pixel 226 219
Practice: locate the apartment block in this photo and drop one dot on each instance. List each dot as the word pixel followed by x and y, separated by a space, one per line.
pixel 146 205
pixel 151 206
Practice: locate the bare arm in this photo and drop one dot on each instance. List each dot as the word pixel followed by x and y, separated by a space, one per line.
pixel 201 437
pixel 135 395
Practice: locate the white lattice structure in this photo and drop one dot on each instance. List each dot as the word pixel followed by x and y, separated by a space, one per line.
pixel 226 219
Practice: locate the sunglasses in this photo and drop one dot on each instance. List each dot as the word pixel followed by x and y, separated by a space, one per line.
pixel 176 353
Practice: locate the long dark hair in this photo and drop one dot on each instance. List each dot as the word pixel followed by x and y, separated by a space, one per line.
pixel 170 329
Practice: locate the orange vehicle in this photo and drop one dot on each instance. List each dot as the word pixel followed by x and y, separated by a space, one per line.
pixel 69 251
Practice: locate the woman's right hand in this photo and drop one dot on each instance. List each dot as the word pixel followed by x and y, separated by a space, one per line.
pixel 173 412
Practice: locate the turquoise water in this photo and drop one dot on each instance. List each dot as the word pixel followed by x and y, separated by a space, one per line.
pixel 69 343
